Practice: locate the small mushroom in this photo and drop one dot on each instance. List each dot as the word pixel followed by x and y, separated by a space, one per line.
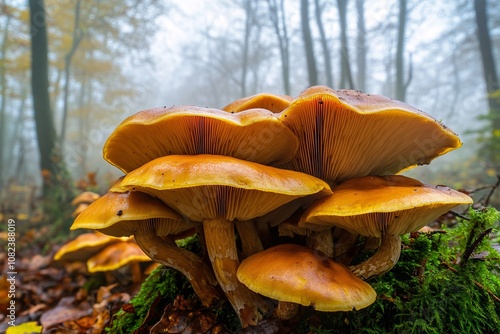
pixel 84 246
pixel 274 103
pixel 85 197
pixel 117 255
pixel 79 209
pixel 294 274
pixel 218 190
pixel 385 207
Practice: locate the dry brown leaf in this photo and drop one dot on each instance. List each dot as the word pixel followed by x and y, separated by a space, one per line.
pixel 104 292
pixel 65 311
pixel 182 316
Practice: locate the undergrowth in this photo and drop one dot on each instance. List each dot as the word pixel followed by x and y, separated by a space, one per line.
pixel 433 288
pixel 444 282
pixel 159 289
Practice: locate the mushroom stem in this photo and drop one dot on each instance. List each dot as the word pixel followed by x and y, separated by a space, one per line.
pixel 165 251
pixel 344 245
pixel 286 310
pixel 110 277
pixel 135 269
pixel 321 241
pixel 382 261
pixel 264 232
pixel 221 246
pixel 250 241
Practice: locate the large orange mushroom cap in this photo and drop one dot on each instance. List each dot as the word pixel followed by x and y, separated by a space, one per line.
pixel 271 102
pixel 345 134
pixel 385 207
pixel 255 135
pixel 212 186
pixel 301 275
pixel 118 214
pixel 376 205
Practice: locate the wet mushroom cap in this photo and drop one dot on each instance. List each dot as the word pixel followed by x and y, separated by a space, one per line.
pixel 118 214
pixel 298 274
pixel 255 135
pixel 271 102
pixel 212 186
pixel 116 256
pixel 374 205
pixel 345 134
pixel 84 246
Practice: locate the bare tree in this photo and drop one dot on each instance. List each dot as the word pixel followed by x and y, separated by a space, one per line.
pixel 3 85
pixel 345 67
pixel 45 131
pixel 489 73
pixel 324 44
pixel 361 46
pixel 278 19
pixel 246 41
pixel 308 43
pixel 77 38
pixel 401 85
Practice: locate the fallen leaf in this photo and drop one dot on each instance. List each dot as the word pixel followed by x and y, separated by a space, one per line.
pixel 104 292
pixel 65 311
pixel 183 317
pixel 31 327
pixel 128 308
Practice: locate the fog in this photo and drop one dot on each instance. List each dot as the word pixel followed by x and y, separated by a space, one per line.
pixel 140 55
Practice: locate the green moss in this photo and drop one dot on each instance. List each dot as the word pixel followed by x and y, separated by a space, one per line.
pixel 163 282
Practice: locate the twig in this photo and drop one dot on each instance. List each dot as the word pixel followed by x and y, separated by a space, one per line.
pixel 493 188
pixel 479 285
pixel 470 248
pixel 456 214
pixel 421 271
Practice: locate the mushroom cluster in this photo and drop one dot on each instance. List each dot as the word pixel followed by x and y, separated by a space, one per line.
pixel 321 165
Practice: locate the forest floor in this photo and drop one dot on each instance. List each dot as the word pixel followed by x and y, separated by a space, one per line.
pixel 38 292
pixel 62 297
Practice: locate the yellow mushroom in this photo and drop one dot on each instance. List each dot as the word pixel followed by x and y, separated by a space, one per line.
pixel 385 207
pixel 345 134
pixel 294 274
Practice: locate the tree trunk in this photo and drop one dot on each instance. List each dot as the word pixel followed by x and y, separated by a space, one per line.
pixel 490 77
pixel 345 67
pixel 361 46
pixel 324 44
pixel 77 38
pixel 308 43
pixel 45 131
pixel 18 133
pixel 3 84
pixel 400 68
pixel 248 31
pixel 277 16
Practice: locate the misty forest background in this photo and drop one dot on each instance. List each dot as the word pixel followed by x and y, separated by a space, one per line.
pixel 109 59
